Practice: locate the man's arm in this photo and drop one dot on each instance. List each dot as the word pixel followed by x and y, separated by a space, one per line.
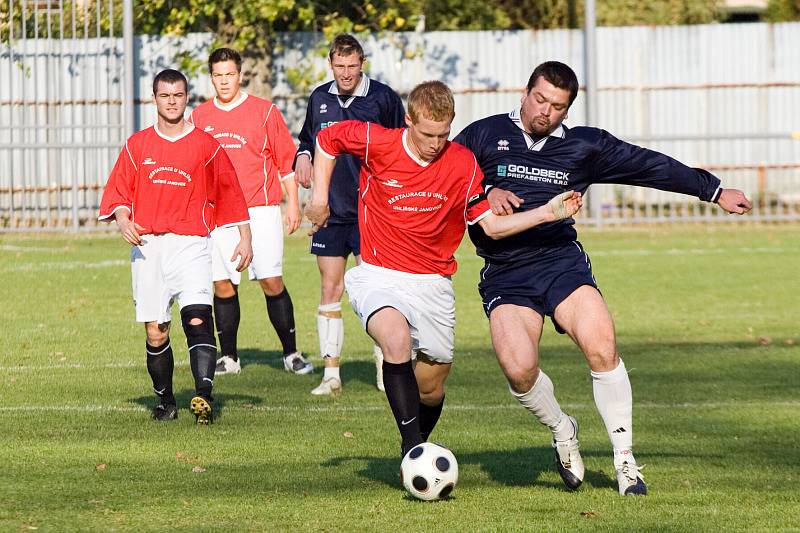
pixel 317 210
pixel 560 207
pixel 293 216
pixel 303 158
pixel 243 250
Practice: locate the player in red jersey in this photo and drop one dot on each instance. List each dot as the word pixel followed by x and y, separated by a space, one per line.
pixel 172 184
pixel 254 135
pixel 417 190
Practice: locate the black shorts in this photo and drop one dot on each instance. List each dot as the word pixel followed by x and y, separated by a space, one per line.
pixel 541 283
pixel 336 240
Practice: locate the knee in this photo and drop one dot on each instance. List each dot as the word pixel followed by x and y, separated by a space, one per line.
pixel 157 334
pixel 522 378
pixel 224 289
pixel 602 357
pixel 432 394
pixel 272 286
pixel 332 290
pixel 197 323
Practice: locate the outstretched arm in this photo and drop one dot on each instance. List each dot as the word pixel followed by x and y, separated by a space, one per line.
pixel 560 207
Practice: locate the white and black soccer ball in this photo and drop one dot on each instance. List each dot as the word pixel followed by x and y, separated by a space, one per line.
pixel 429 471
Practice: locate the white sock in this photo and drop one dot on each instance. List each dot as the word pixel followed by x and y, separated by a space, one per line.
pixel 331 372
pixel 330 330
pixel 541 401
pixel 614 400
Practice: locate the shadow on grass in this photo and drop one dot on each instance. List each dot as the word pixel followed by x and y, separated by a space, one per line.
pixel 522 467
pixel 185 396
pixel 351 371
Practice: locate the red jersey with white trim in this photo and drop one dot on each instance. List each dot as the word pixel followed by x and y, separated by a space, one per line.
pixel 411 214
pixel 254 134
pixel 184 185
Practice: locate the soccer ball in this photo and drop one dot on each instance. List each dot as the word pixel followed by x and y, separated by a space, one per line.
pixel 429 471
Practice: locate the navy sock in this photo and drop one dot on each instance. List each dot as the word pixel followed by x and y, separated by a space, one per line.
pixel 281 314
pixel 428 417
pixel 226 317
pixel 160 364
pixel 402 392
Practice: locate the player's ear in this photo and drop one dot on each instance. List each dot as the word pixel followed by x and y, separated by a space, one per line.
pixel 409 120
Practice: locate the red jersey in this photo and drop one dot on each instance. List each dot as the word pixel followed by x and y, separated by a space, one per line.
pixel 411 213
pixel 184 185
pixel 254 135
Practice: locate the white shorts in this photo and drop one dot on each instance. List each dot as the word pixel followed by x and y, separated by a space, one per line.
pixel 427 301
pixel 267 229
pixel 169 267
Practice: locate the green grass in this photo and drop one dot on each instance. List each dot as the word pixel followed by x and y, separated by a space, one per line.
pixel 707 322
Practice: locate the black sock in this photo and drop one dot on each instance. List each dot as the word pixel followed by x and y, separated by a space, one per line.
pixel 281 314
pixel 160 364
pixel 402 392
pixel 203 360
pixel 428 417
pixel 226 316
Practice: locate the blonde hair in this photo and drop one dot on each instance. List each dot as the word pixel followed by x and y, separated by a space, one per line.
pixel 432 100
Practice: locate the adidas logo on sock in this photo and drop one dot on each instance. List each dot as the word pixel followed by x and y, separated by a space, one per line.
pixel 619 430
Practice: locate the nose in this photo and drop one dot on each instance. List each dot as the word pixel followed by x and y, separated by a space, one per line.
pixel 546 109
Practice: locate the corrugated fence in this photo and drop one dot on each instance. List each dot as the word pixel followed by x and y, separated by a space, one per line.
pixel 724 97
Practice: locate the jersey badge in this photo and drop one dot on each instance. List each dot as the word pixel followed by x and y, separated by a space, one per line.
pixel 392 183
pixel 502 144
pixel 323 108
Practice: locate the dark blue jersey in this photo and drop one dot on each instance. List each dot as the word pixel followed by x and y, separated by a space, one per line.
pixel 569 159
pixel 371 101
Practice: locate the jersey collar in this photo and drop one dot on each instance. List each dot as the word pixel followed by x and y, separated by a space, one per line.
pixel 515 116
pixel 361 90
pixel 176 138
pixel 231 105
pixel 414 158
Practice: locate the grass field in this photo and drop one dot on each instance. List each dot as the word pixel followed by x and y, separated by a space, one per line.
pixel 707 322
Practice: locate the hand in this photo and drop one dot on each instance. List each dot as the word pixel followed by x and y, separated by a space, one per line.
pixel 734 201
pixel 318 216
pixel 244 251
pixel 292 218
pixel 565 204
pixel 129 229
pixel 303 170
pixel 503 202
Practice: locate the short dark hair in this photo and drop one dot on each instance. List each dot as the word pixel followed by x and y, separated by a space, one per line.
pixel 345 44
pixel 169 76
pixel 225 54
pixel 559 75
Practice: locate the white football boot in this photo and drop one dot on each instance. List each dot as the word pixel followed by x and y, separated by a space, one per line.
pixel 297 364
pixel 329 386
pixel 568 458
pixel 629 477
pixel 227 365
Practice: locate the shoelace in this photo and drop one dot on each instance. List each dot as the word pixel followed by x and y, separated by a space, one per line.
pixel 636 470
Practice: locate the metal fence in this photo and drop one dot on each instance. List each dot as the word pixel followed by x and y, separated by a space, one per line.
pixel 724 97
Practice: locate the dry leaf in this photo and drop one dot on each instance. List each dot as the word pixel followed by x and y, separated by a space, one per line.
pixel 248 405
pixel 101 467
pixel 28 527
pixel 348 434
pixel 789 342
pixel 198 470
pixel 764 341
pixel 589 514
pixel 180 456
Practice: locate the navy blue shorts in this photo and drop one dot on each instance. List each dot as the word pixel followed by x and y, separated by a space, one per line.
pixel 540 284
pixel 336 240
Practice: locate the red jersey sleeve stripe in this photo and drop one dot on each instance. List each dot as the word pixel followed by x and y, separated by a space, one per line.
pixel 131 157
pixel 366 148
pixel 323 152
pixel 214 155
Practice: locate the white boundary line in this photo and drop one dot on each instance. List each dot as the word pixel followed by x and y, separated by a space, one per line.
pixel 382 407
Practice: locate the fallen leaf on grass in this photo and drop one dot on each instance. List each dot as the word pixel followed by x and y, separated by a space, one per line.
pixel 101 467
pixel 198 470
pixel 789 342
pixel 764 341
pixel 589 514
pixel 28 527
pixel 348 434
pixel 248 405
pixel 180 456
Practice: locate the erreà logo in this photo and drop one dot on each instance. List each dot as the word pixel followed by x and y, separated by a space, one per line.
pixel 323 108
pixel 502 170
pixel 502 144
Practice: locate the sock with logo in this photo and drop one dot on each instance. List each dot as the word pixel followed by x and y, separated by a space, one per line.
pixel 226 316
pixel 160 365
pixel 428 417
pixel 402 392
pixel 614 400
pixel 541 401
pixel 281 314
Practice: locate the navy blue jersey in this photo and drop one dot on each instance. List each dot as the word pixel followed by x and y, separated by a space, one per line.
pixel 536 169
pixel 371 101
